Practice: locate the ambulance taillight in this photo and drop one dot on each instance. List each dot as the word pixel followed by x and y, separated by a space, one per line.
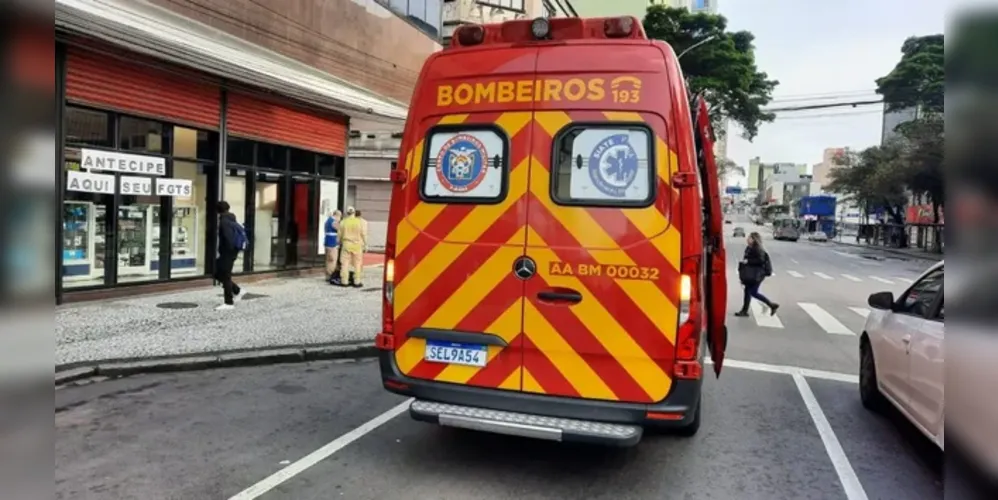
pixel 691 321
pixel 470 34
pixel 618 27
pixel 386 339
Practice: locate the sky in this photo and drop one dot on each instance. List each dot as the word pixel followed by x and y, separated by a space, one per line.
pixel 823 47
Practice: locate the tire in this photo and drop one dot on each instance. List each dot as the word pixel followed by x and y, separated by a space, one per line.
pixel 869 393
pixel 693 427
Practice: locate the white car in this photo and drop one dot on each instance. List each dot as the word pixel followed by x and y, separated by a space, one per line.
pixel 817 236
pixel 901 353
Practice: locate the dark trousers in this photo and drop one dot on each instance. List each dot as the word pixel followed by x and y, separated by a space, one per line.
pixel 223 274
pixel 752 290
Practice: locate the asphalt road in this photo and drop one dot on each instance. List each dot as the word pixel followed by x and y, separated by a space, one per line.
pixel 327 430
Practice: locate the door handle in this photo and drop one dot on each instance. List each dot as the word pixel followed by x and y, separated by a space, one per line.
pixel 561 295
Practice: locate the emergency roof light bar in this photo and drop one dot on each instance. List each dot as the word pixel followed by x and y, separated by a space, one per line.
pixel 548 29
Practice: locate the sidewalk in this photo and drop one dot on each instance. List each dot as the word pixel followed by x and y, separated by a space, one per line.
pixel 282 312
pixel 915 253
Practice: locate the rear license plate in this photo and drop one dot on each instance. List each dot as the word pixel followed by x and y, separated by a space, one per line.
pixel 456 353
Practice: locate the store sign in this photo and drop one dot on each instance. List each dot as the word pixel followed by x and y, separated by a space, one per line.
pixel 136 186
pixel 178 188
pixel 121 162
pixel 89 183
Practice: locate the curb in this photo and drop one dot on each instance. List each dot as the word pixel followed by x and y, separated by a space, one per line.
pixel 895 251
pixel 125 368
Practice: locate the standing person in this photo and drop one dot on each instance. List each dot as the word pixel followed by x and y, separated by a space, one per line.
pixel 352 243
pixel 332 243
pixel 231 240
pixel 752 270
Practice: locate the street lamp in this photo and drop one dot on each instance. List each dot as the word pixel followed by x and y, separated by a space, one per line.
pixel 695 45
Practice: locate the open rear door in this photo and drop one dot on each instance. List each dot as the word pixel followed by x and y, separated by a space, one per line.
pixel 717 285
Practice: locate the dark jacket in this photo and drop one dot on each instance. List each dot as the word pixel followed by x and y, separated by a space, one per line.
pixel 227 236
pixel 754 267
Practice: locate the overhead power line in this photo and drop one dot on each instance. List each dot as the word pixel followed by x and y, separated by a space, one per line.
pixel 823 106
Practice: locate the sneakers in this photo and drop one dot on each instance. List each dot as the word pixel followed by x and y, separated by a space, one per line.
pixel 772 308
pixel 742 314
pixel 225 307
pixel 239 296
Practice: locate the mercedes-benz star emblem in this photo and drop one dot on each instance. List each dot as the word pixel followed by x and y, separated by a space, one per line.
pixel 524 268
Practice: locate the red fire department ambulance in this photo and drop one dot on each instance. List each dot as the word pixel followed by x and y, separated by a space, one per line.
pixel 554 262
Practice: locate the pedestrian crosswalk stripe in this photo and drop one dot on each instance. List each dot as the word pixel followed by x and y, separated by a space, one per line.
pixel 795 274
pixel 906 280
pixel 762 316
pixel 851 278
pixel 823 276
pixel 862 311
pixel 825 320
pixel 882 280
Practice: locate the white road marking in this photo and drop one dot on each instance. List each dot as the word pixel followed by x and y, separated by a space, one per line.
pixel 795 274
pixel 825 320
pixel 763 318
pixel 794 261
pixel 906 280
pixel 882 280
pixel 823 276
pixel 851 278
pixel 847 476
pixel 789 370
pixel 317 456
pixel 862 311
pixel 851 256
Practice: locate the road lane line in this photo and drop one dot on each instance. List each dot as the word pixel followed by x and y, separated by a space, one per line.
pixel 862 311
pixel 851 278
pixel 825 320
pixel 795 274
pixel 878 278
pixel 763 318
pixel 794 261
pixel 847 476
pixel 823 276
pixel 851 256
pixel 789 370
pixel 319 455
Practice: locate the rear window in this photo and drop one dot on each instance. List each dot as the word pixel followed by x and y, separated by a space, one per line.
pixel 465 164
pixel 604 165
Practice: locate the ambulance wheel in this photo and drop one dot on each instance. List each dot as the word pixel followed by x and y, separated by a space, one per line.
pixel 693 427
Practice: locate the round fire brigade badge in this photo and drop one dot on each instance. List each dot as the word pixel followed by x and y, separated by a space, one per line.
pixel 462 163
pixel 613 165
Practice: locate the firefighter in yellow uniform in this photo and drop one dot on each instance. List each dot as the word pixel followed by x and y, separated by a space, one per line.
pixel 352 242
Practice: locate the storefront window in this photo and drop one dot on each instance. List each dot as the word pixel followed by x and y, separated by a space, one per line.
pixel 141 136
pixel 86 126
pixel 240 151
pixel 271 156
pixel 189 224
pixel 138 238
pixel 302 161
pixel 84 230
pixel 269 249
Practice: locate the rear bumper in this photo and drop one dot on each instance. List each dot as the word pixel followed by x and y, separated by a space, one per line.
pixel 682 399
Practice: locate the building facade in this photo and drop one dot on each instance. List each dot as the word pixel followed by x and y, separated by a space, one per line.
pixel 167 108
pixel 458 12
pixel 829 160
pixel 605 8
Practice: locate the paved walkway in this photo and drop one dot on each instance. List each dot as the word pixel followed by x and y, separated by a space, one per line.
pixel 282 312
pixel 916 253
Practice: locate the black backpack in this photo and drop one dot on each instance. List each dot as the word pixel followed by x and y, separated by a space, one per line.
pixel 767 264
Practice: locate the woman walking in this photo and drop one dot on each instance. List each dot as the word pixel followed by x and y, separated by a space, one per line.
pixel 752 270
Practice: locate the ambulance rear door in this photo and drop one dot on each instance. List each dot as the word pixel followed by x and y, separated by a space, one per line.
pixel 600 313
pixel 458 305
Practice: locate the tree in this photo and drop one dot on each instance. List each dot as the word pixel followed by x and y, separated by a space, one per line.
pixel 917 81
pixel 872 178
pixel 722 66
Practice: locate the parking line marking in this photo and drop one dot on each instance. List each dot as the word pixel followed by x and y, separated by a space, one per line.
pixel 851 278
pixel 795 274
pixel 789 370
pixel 862 311
pixel 825 320
pixel 823 276
pixel 877 278
pixel 763 318
pixel 847 476
pixel 302 464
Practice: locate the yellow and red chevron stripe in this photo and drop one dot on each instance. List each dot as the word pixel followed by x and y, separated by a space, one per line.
pixel 454 271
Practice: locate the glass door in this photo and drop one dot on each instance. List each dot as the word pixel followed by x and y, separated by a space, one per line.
pixel 302 227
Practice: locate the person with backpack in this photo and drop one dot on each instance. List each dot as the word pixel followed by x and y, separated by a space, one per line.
pixel 231 240
pixel 755 267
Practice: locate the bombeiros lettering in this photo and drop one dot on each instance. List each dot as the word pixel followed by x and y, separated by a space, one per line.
pixel 623 90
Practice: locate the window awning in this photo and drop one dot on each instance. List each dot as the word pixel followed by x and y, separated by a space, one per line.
pixel 156 31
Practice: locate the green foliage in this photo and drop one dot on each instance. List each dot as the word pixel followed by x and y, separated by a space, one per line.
pixel 918 79
pixel 723 67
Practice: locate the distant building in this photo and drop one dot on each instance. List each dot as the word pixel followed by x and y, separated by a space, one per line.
pixel 607 8
pixel 822 171
pixel 892 119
